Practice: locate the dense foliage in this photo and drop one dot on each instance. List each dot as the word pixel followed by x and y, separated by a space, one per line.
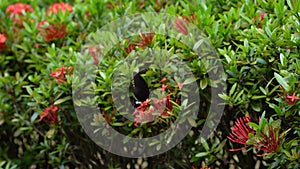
pixel 257 41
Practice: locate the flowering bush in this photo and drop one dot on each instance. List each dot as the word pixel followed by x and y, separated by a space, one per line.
pixel 258 45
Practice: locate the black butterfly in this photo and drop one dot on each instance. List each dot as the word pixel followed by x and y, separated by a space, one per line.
pixel 140 90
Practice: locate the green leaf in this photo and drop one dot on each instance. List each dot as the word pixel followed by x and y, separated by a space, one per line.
pixel 205 144
pixel 262 119
pixel 201 154
pixel 253 125
pixel 282 82
pixel 256 106
pixel 50 133
pixel 29 90
pixel 232 89
pixel 59 101
pixel 283 60
pixel 34 116
pixel 27 27
pixel 276 123
pixel 258 97
pixel 192 122
pixel 119 124
pixel 261 61
pixel 203 83
pixel 189 80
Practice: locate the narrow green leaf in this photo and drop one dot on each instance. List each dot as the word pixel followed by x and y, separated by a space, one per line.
pixel 34 116
pixel 282 82
pixel 27 27
pixel 201 154
pixel 59 101
pixel 232 89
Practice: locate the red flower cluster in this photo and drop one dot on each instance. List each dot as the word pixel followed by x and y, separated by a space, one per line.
pixel 145 112
pixel 189 18
pixel 130 47
pixel 164 86
pixel 145 40
pixel 159 5
pixel 2 41
pixel 180 25
pixel 179 85
pixel 240 132
pixel 50 114
pixel 159 105
pixel 60 73
pixel 260 19
pixel 18 9
pixel 94 51
pixel 53 31
pixel 54 8
pixel 262 16
pixel 289 99
pixel 267 141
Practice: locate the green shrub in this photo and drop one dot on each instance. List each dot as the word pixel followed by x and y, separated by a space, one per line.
pixel 258 45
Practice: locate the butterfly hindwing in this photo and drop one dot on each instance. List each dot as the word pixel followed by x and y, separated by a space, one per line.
pixel 140 89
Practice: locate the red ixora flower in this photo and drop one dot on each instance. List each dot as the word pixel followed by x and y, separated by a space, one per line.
pixel 2 41
pixel 289 99
pixel 262 15
pixel 180 27
pixel 163 80
pixel 50 114
pixel 189 18
pixel 240 132
pixel 143 113
pixel 159 5
pixel 169 105
pixel 268 142
pixel 18 9
pixel 95 51
pixel 145 40
pixel 52 31
pixel 130 47
pixel 60 73
pixel 260 19
pixel 54 8
pixel 163 106
pixel 179 85
pixel 164 86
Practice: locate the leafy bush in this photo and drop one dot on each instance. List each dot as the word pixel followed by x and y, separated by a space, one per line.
pixel 257 42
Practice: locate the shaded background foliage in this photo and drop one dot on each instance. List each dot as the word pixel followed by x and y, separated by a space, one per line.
pixel 258 42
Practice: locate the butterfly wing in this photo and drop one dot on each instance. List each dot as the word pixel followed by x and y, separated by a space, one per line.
pixel 140 89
